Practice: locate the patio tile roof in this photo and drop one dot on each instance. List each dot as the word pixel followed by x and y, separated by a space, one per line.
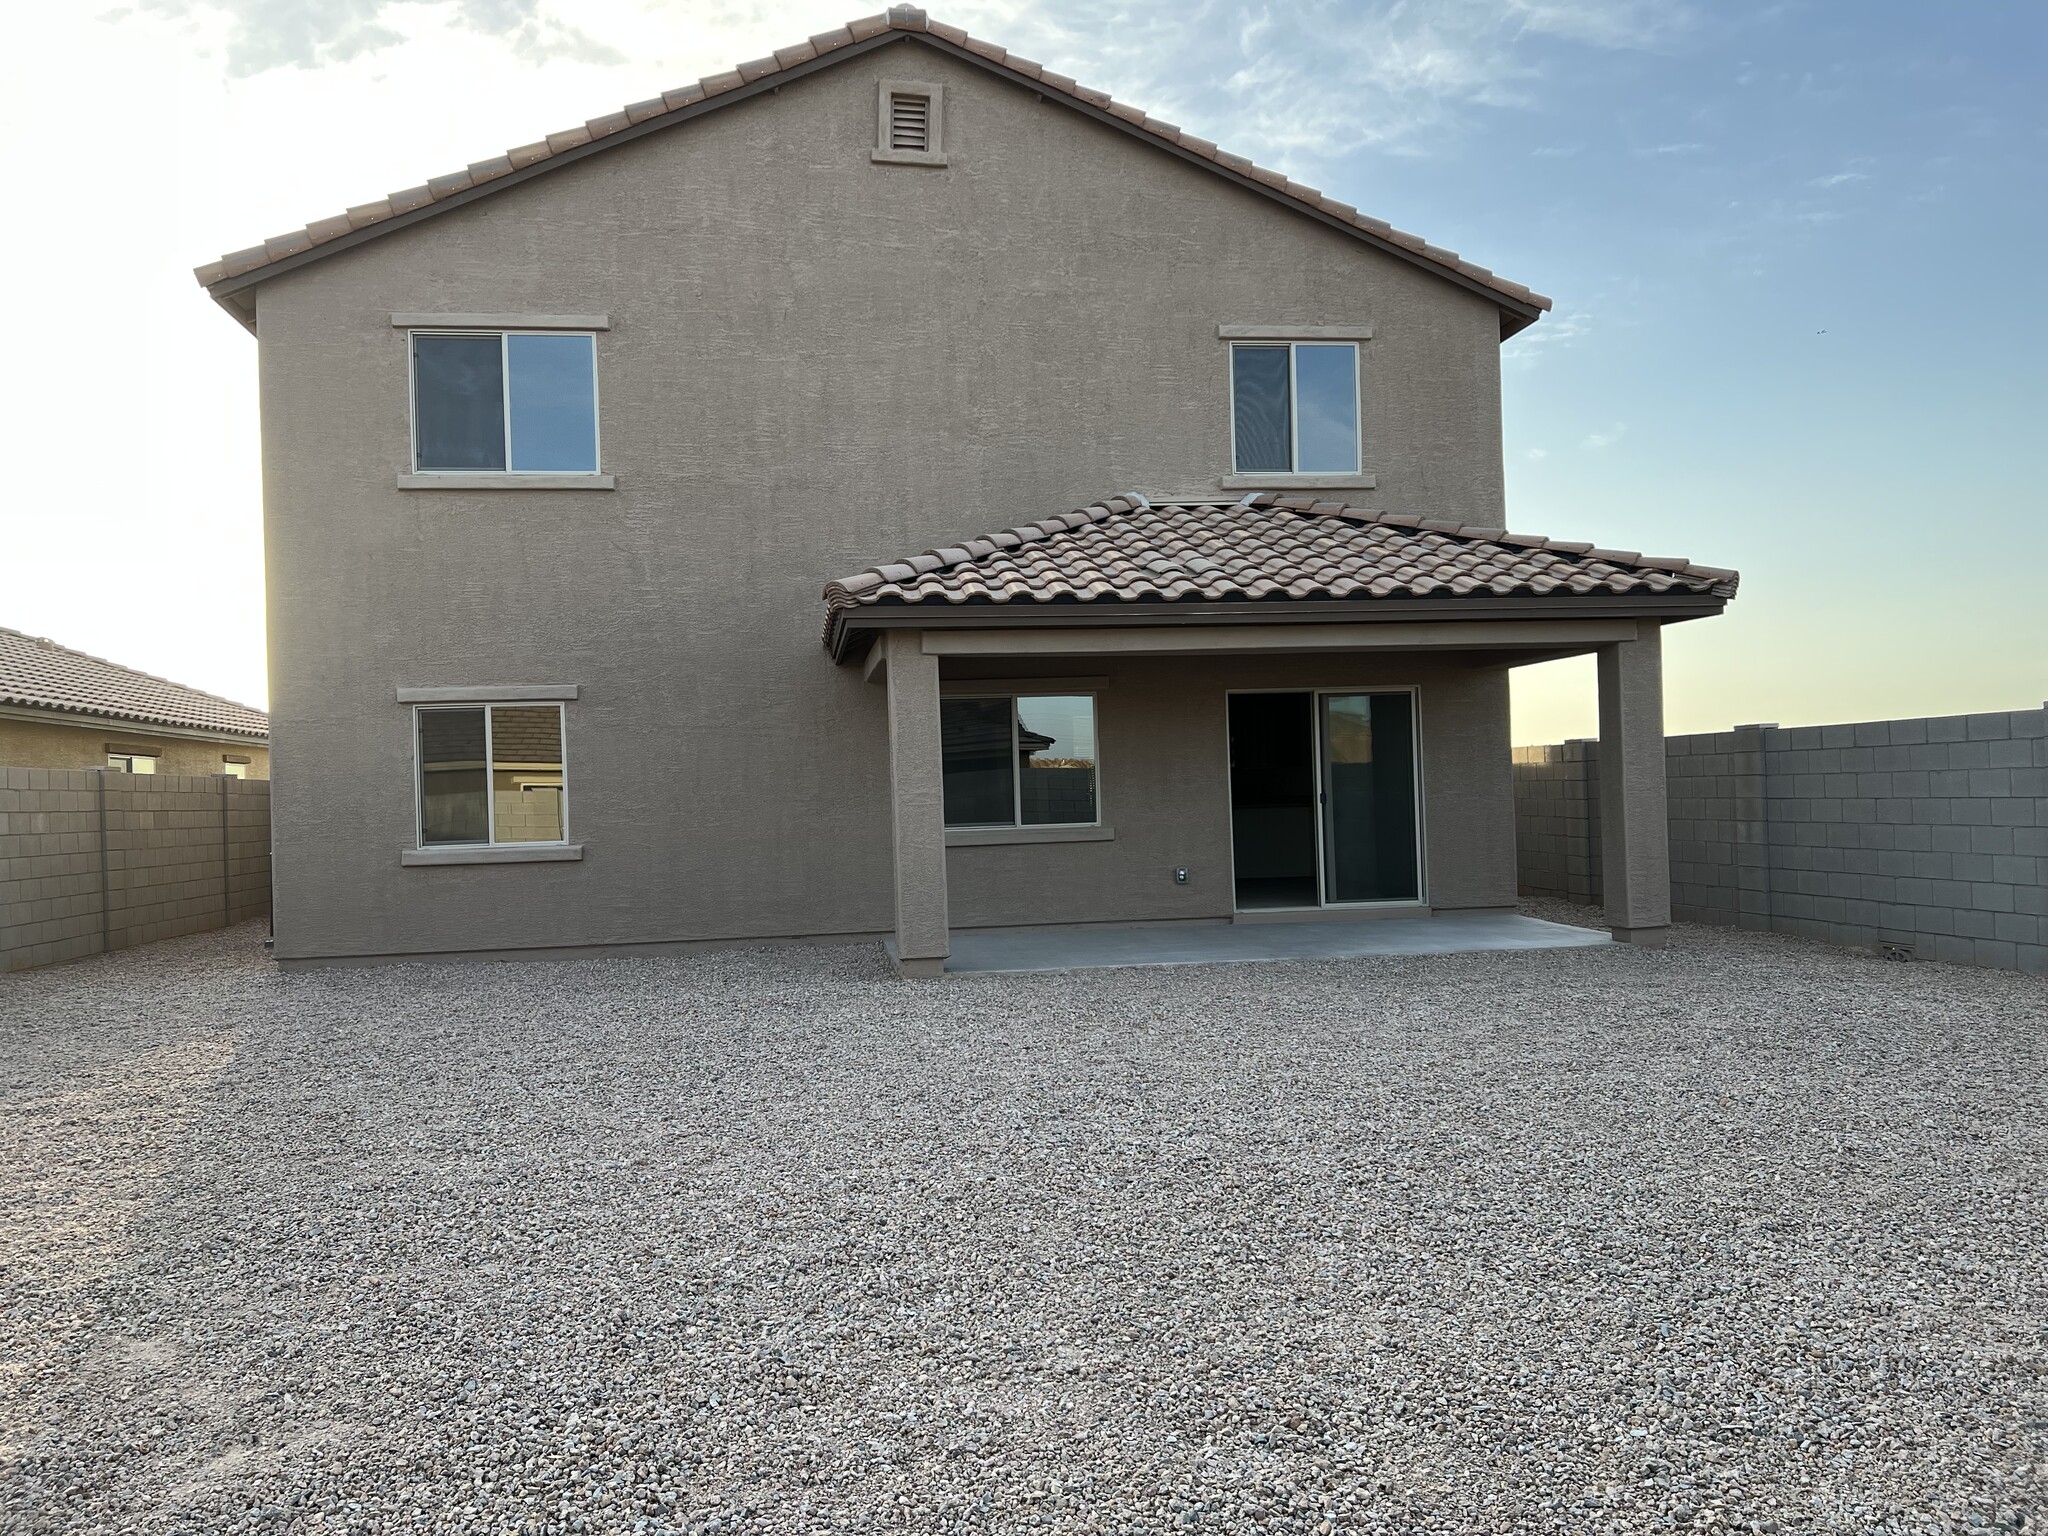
pixel 907 19
pixel 41 674
pixel 1264 547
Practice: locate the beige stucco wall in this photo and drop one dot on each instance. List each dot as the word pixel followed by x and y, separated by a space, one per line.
pixel 815 363
pixel 53 744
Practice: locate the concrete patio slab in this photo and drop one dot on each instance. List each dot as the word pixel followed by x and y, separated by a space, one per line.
pixel 1096 948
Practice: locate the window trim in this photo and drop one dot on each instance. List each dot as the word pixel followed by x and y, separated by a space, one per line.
pixel 416 478
pixel 420 845
pixel 1293 338
pixel 1018 823
pixel 935 151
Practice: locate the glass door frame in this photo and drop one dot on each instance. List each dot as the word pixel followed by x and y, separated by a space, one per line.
pixel 1317 749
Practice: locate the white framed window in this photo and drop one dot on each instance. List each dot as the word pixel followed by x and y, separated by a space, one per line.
pixel 1294 407
pixel 131 762
pixel 504 402
pixel 490 774
pixel 235 767
pixel 1019 760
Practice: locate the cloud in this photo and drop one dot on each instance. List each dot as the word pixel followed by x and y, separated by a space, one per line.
pixel 1536 453
pixel 1555 332
pixel 1672 149
pixel 310 34
pixel 1607 437
pixel 1839 179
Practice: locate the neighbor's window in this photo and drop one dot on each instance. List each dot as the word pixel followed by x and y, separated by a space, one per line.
pixel 234 767
pixel 520 401
pixel 492 773
pixel 1294 408
pixel 132 762
pixel 1019 762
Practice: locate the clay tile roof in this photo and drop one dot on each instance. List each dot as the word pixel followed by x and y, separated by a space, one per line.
pixel 41 674
pixel 1126 550
pixel 655 113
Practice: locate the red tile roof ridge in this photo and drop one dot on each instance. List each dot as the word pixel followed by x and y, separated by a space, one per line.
pixel 900 18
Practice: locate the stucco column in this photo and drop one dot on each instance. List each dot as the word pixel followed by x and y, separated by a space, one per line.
pixel 1635 836
pixel 917 804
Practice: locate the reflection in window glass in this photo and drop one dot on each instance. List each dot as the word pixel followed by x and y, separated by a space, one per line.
pixel 1326 403
pixel 977 762
pixel 552 390
pixel 1056 743
pixel 1262 420
pixel 526 773
pixel 458 394
pixel 452 804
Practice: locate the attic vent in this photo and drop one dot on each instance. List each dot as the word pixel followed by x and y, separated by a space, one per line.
pixel 910 122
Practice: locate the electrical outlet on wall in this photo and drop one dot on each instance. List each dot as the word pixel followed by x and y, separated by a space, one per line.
pixel 1180 875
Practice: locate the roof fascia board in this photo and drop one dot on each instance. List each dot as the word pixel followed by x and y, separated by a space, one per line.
pixel 851 627
pixel 1515 316
pixel 135 725
pixel 767 85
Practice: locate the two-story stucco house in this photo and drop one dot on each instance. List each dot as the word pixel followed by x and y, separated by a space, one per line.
pixel 1149 504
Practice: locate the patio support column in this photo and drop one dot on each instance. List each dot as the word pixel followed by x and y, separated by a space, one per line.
pixel 1635 837
pixel 917 804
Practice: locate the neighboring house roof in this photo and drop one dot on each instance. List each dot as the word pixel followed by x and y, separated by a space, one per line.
pixel 1263 549
pixel 241 269
pixel 41 674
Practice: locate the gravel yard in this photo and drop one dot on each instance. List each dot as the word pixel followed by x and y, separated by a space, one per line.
pixel 1748 1233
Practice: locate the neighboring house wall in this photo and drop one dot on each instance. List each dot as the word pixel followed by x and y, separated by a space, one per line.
pixel 54 744
pixel 154 856
pixel 814 363
pixel 1928 833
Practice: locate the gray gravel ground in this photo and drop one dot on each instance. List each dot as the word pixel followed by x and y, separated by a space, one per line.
pixel 1744 1234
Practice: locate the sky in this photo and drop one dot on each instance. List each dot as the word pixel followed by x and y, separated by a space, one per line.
pixel 1793 246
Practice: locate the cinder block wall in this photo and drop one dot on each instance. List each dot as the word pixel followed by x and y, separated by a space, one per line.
pixel 1557 820
pixel 172 854
pixel 1929 833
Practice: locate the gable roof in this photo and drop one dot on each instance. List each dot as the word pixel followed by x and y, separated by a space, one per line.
pixel 239 270
pixel 41 674
pixel 1265 549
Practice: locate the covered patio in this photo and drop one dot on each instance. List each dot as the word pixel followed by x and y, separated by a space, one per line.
pixel 1388 639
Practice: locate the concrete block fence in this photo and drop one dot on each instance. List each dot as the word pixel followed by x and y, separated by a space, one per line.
pixel 93 861
pixel 1930 834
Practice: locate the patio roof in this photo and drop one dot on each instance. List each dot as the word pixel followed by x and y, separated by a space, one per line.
pixel 1258 559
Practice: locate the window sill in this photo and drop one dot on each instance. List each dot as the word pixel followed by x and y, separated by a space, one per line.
pixel 983 837
pixel 904 157
pixel 496 853
pixel 506 481
pixel 1298 482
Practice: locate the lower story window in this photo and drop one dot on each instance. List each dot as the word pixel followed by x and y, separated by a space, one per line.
pixel 1019 761
pixel 492 773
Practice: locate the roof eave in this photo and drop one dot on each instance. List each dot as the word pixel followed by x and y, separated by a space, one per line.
pixel 1515 316
pixel 851 629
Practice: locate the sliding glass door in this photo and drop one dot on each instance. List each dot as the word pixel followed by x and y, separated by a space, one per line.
pixel 1368 771
pixel 1323 799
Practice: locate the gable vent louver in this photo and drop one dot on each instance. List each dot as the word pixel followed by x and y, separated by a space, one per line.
pixel 910 122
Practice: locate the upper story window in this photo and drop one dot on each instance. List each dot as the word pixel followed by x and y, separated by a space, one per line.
pixel 1294 407
pixel 1019 762
pixel 513 401
pixel 131 762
